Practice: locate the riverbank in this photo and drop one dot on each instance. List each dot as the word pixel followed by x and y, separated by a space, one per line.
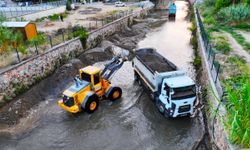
pixel 228 57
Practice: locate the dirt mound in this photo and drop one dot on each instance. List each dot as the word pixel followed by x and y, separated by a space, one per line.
pixel 155 63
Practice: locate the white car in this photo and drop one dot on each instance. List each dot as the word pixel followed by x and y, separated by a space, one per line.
pixel 120 4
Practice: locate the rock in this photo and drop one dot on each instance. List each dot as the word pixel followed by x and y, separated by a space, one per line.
pixel 97 49
pixel 106 44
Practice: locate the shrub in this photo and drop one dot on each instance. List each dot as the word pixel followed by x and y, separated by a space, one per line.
pixel 210 20
pixel 246 1
pixel 235 14
pixel 54 17
pixel 80 32
pixel 221 3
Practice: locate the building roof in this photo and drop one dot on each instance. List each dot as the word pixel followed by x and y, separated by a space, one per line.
pixel 15 24
pixel 91 69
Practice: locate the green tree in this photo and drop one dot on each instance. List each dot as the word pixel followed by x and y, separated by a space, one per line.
pixel 68 5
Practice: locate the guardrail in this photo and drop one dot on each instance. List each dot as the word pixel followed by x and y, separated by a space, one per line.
pixel 215 67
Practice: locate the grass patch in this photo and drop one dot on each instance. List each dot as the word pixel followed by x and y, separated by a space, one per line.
pixel 245 27
pixel 220 43
pixel 238 103
pixel 197 62
pixel 53 17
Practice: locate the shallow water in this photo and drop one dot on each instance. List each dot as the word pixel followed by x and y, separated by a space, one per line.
pixel 132 122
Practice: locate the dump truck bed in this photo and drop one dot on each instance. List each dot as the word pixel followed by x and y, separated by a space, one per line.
pixel 154 61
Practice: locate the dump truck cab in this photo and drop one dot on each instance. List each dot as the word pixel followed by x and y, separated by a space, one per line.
pixel 91 85
pixel 178 96
pixel 172 9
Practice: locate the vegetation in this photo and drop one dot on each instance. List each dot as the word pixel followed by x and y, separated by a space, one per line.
pixel 229 15
pixel 82 33
pixel 220 43
pixel 11 40
pixel 197 60
pixel 238 105
pixel 54 17
pixel 234 14
pixel 238 37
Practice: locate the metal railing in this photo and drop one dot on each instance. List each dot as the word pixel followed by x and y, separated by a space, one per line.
pixel 215 67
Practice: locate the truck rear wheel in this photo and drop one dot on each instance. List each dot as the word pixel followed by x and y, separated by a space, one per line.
pixel 115 94
pixel 92 104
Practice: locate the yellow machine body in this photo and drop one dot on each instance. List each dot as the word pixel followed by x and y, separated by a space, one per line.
pixel 91 83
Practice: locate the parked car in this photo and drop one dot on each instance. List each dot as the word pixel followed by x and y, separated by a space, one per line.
pixel 21 4
pixel 120 4
pixel 3 4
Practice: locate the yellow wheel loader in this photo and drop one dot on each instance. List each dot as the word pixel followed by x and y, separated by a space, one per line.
pixel 91 85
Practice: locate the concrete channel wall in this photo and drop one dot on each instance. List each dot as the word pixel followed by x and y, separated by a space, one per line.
pixel 17 79
pixel 216 127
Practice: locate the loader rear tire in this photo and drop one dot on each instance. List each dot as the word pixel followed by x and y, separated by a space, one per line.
pixel 92 104
pixel 115 94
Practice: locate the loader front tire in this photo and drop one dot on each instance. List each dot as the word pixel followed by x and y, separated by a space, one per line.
pixel 92 104
pixel 115 94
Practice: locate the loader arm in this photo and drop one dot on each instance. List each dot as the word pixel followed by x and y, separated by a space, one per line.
pixel 111 67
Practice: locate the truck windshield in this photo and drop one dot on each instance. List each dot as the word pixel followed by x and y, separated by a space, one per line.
pixel 86 77
pixel 68 101
pixel 184 92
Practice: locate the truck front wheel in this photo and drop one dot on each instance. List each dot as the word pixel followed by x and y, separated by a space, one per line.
pixel 92 104
pixel 115 94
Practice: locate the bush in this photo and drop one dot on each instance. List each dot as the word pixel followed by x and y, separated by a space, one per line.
pixel 80 32
pixel 235 14
pixel 222 3
pixel 209 20
pixel 54 17
pixel 246 1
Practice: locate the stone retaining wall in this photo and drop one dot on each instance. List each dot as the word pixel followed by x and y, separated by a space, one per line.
pixel 17 79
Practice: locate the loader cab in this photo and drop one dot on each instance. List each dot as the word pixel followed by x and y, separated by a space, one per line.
pixel 92 75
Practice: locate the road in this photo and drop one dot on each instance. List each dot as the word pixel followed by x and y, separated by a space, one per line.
pixel 133 122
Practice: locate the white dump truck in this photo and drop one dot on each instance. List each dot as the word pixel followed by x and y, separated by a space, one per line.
pixel 172 90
